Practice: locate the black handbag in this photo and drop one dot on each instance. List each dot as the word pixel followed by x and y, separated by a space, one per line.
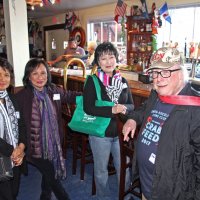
pixel 6 171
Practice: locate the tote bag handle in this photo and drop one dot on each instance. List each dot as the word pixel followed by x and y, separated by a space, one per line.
pixel 97 86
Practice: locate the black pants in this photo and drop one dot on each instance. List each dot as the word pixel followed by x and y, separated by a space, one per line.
pixel 49 183
pixel 9 189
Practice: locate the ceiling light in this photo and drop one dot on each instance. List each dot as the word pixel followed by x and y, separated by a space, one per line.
pixel 41 2
pixel 34 2
pixel 53 1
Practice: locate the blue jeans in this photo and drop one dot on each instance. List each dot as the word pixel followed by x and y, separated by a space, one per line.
pixel 101 149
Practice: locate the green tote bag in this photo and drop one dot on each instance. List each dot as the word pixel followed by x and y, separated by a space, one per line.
pixel 88 124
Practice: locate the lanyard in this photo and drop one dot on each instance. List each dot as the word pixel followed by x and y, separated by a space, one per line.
pixel 181 100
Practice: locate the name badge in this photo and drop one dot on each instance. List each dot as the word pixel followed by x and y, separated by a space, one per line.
pixel 152 158
pixel 56 97
pixel 17 114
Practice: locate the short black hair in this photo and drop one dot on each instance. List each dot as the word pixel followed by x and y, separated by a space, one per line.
pixel 7 66
pixel 30 66
pixel 105 47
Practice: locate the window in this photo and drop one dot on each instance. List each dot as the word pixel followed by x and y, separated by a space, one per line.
pixel 108 30
pixel 184 28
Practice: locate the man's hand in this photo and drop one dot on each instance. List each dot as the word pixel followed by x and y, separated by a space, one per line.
pixel 58 59
pixel 50 63
pixel 129 126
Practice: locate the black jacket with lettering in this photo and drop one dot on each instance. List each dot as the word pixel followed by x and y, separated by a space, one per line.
pixel 177 166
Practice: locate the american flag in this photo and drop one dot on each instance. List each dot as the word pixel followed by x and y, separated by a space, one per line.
pixel 120 8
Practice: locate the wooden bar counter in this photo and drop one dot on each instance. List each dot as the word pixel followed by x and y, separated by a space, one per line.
pixel 140 91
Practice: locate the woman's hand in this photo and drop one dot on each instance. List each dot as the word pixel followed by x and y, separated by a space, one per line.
pixel 119 108
pixel 18 154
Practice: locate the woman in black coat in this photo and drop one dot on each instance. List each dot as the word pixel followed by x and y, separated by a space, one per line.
pixel 41 101
pixel 12 133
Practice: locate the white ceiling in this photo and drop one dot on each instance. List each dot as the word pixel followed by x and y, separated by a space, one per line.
pixel 65 5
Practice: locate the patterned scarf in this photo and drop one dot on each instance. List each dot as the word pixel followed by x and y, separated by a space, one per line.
pixel 8 120
pixel 114 85
pixel 50 133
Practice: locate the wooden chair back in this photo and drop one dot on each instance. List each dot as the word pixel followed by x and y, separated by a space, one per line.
pixel 126 151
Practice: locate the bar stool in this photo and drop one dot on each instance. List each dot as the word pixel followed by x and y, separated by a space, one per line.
pixel 82 151
pixel 126 150
pixel 67 138
pixel 77 141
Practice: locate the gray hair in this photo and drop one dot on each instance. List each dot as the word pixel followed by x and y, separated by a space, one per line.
pixel 185 73
pixel 92 45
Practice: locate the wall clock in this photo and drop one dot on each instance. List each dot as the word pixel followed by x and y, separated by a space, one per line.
pixel 79 34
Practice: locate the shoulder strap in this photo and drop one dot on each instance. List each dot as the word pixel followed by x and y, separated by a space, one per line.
pixel 97 87
pixel 181 100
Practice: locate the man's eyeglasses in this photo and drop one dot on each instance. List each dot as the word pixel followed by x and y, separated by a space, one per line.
pixel 163 73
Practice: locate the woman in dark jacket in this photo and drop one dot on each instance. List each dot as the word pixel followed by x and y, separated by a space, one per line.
pixel 12 132
pixel 114 88
pixel 41 104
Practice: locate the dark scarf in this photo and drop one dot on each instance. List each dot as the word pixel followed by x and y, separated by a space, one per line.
pixel 114 84
pixel 51 147
pixel 9 120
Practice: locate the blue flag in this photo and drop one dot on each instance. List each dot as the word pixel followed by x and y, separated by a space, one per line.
pixel 144 9
pixel 164 12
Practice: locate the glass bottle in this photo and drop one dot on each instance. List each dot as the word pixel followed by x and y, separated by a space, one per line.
pixel 53 44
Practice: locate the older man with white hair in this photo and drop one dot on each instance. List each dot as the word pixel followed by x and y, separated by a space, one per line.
pixel 167 156
pixel 92 45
